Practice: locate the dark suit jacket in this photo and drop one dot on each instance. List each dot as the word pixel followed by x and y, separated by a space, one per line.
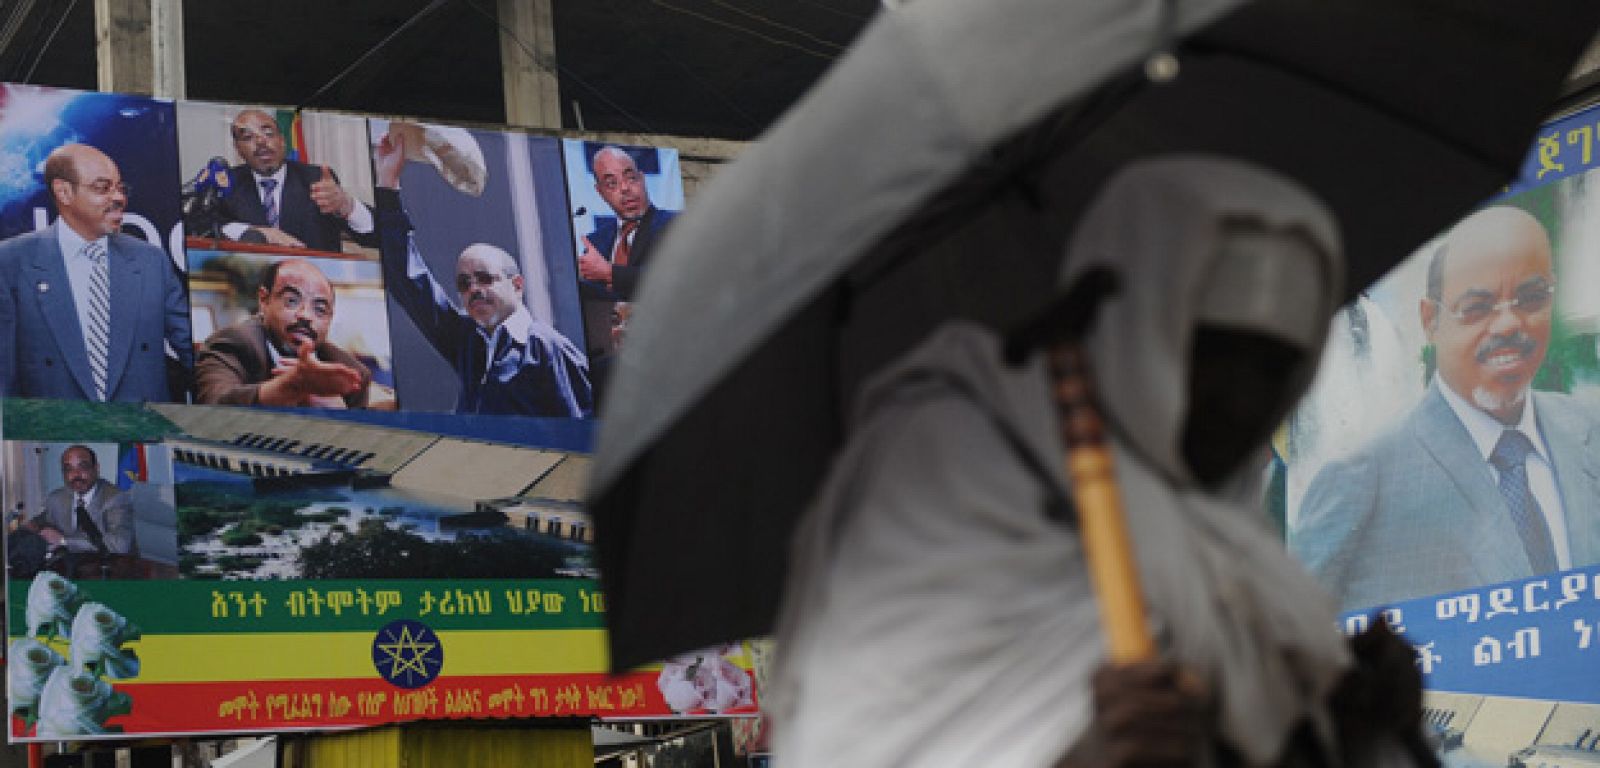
pixel 597 298
pixel 111 510
pixel 531 371
pixel 625 279
pixel 235 361
pixel 298 215
pixel 42 353
pixel 1418 512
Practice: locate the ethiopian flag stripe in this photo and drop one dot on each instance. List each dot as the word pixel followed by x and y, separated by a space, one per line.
pixel 254 607
pixel 217 657
pixel 198 658
pixel 353 702
pixel 299 656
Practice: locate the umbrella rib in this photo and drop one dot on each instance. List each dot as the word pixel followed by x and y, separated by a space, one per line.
pixel 1065 126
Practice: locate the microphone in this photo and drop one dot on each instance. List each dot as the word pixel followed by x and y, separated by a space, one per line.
pixel 212 177
pixel 202 194
pixel 220 180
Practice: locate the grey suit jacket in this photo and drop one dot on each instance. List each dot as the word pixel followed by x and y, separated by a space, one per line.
pixel 1418 512
pixel 42 353
pixel 111 510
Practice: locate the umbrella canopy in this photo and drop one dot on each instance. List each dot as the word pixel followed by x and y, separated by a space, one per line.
pixel 936 173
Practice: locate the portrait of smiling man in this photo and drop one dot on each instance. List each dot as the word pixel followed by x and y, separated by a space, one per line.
pixel 88 312
pixel 281 355
pixel 1486 480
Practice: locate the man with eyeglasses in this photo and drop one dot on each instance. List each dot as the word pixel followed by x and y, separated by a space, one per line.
pixel 87 312
pixel 282 355
pixel 90 519
pixel 614 254
pixel 1486 480
pixel 508 361
pixel 285 202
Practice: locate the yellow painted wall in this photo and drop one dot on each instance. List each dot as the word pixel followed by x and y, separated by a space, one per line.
pixel 447 747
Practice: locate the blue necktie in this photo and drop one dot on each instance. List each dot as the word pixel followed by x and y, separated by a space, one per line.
pixel 268 202
pixel 1511 458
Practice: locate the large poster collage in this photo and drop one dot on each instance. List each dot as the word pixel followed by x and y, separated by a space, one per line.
pixel 1444 472
pixel 295 407
pixel 294 412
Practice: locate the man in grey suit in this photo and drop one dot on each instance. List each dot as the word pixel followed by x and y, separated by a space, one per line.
pixel 85 311
pixel 90 518
pixel 1485 480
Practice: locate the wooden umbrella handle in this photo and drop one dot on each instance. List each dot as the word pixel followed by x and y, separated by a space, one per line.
pixel 1106 543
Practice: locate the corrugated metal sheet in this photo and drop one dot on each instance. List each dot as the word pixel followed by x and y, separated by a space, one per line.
pixel 378 748
pixel 452 747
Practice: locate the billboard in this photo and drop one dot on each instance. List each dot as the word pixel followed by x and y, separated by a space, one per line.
pixel 322 467
pixel 1444 469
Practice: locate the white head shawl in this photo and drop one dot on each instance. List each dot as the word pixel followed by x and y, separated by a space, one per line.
pixel 1164 226
pixel 997 633
pixel 1226 596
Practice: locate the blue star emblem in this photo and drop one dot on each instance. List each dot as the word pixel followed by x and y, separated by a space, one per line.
pixel 407 653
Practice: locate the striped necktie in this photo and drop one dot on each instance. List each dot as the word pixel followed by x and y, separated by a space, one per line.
pixel 269 202
pixel 97 336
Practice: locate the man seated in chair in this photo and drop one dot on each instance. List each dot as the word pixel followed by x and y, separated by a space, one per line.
pixel 88 522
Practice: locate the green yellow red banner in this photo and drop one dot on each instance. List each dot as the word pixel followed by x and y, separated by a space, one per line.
pixel 267 656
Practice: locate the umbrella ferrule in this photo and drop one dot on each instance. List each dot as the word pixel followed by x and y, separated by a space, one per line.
pixel 1162 65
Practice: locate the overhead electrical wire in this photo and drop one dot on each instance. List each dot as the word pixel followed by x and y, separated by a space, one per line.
pixel 363 58
pixel 549 64
pixel 780 25
pixel 13 25
pixel 27 78
pixel 836 11
pixel 743 29
pixel 749 120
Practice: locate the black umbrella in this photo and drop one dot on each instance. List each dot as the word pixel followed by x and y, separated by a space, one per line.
pixel 936 173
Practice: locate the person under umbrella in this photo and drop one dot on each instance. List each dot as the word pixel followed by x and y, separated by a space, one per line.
pixel 938 610
pixel 935 171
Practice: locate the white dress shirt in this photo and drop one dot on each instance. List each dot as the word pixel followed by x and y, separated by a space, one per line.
pixel 1486 430
pixel 86 499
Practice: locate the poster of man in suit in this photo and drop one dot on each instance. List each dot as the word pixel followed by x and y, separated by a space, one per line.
pixel 1453 438
pixel 90 510
pixel 624 199
pixel 92 304
pixel 286 292
pixel 297 180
